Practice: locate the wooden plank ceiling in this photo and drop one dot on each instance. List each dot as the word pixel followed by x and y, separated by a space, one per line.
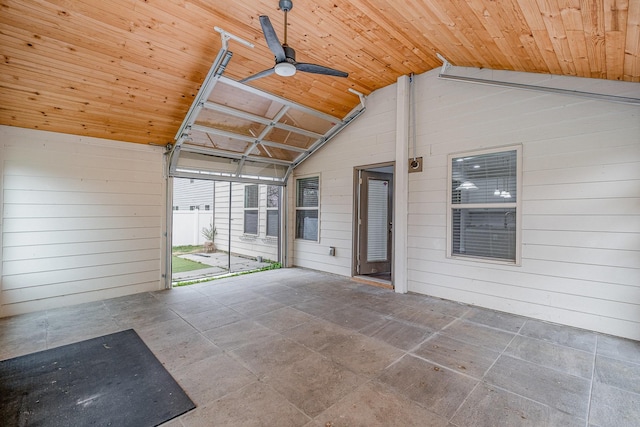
pixel 129 69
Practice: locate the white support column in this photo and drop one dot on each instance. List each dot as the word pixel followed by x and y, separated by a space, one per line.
pixel 3 138
pixel 401 193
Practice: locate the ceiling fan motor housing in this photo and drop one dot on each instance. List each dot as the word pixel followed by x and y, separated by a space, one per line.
pixel 285 5
pixel 289 53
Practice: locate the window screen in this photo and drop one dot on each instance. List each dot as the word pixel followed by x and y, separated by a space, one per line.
pixel 273 223
pixel 273 203
pixel 273 196
pixel 483 205
pixel 251 196
pixel 251 209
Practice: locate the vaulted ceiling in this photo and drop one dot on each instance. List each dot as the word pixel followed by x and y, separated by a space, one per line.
pixel 129 69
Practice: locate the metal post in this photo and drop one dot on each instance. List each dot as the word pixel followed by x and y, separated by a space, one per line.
pixel 168 244
pixel 229 252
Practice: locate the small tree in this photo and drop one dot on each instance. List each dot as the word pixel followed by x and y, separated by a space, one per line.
pixel 209 233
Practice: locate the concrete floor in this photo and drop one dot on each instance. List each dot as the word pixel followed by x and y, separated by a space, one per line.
pixel 293 347
pixel 218 263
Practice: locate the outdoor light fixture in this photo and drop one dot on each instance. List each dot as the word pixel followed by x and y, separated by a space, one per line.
pixel 285 69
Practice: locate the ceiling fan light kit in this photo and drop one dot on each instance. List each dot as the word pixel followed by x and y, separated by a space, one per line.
pixel 285 69
pixel 285 56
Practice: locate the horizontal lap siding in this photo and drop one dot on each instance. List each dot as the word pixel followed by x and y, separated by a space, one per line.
pixel 368 140
pixel 242 244
pixel 82 219
pixel 580 198
pixel 580 202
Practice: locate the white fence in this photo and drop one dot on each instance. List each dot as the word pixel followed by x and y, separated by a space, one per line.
pixel 188 225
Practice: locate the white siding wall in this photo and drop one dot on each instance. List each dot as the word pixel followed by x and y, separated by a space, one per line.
pixel 243 244
pixel 581 197
pixel 369 140
pixel 82 219
pixel 192 192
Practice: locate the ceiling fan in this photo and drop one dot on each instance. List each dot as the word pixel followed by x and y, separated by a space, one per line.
pixel 285 56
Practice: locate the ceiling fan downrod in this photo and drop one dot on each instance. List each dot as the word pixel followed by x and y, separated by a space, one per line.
pixel 285 6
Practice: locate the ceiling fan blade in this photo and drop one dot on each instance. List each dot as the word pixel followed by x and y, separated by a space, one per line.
pixel 264 73
pixel 320 69
pixel 272 39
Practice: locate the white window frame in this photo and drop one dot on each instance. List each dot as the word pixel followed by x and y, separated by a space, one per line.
pixel 517 205
pixel 272 209
pixel 301 208
pixel 256 209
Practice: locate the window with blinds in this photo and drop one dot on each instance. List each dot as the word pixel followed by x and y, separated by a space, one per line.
pixel 484 204
pixel 307 208
pixel 273 205
pixel 251 209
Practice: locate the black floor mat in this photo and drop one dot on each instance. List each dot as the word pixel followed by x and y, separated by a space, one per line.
pixel 114 380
